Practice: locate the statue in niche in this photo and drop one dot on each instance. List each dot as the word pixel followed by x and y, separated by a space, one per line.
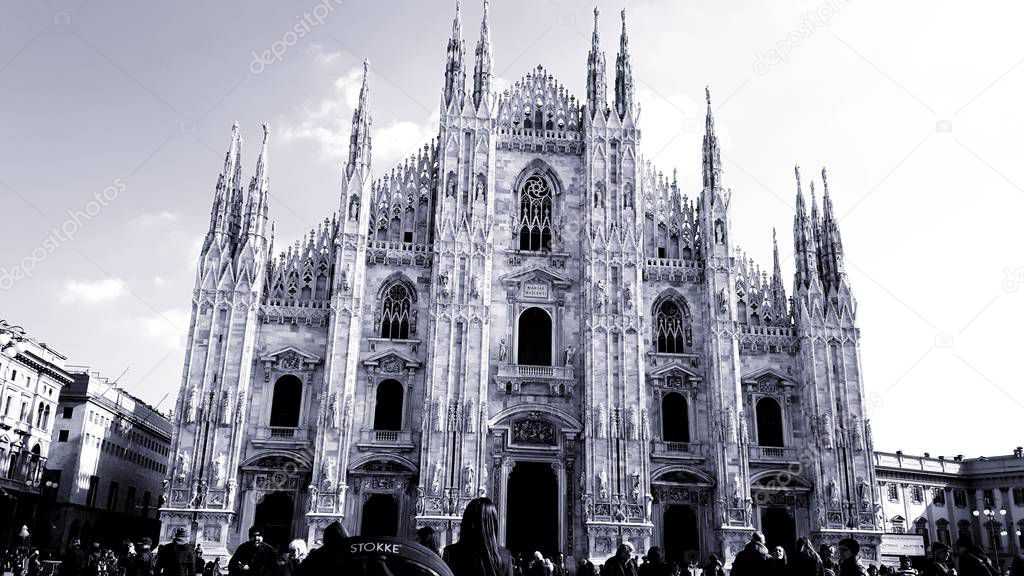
pixel 414 318
pixel 864 490
pixel 602 485
pixel 570 355
pixel 737 492
pixel 442 279
pixel 474 286
pixel 648 505
pixel 719 232
pixel 858 439
pixel 627 297
pixel 468 477
pixel 481 189
pixel 599 295
pixel 353 208
pixel 218 470
pixel 451 186
pixel 193 405
pixel 599 195
pixel 313 494
pixel 502 350
pixel 346 278
pixel 833 493
pixel 636 487
pixel 435 479
pixel 602 421
pixel 181 466
pixel 229 500
pixel 327 474
pixel 482 490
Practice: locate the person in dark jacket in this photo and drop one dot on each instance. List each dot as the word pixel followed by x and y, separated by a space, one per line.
pixel 176 558
pixel 1017 566
pixel 805 561
pixel 655 565
pixel 754 559
pixel 426 537
pixel 973 561
pixel 74 560
pixel 622 563
pixel 253 558
pixel 327 558
pixel 849 554
pixel 477 553
pixel 714 566
pixel 144 562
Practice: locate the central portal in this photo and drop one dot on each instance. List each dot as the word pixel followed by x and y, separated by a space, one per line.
pixel 274 514
pixel 531 509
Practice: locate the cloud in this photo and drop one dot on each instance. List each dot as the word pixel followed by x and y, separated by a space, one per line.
pixel 92 292
pixel 167 328
pixel 152 219
pixel 328 124
pixel 322 57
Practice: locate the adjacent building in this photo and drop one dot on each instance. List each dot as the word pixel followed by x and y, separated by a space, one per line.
pixel 108 461
pixel 31 383
pixel 528 309
pixel 943 499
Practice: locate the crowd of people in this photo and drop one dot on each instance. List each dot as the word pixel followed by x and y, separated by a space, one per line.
pixel 478 553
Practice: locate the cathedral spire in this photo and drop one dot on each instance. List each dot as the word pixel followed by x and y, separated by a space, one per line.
pixel 359 147
pixel 778 288
pixel 804 244
pixel 259 192
pixel 831 244
pixel 596 78
pixel 623 75
pixel 483 74
pixel 225 215
pixel 712 155
pixel 454 71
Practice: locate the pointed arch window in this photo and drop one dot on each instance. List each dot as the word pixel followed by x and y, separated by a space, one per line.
pixel 535 205
pixel 670 328
pixel 395 311
pixel 286 403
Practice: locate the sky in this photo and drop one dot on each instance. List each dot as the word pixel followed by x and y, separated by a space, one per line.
pixel 114 119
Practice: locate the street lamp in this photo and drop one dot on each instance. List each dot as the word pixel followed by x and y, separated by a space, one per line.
pixel 992 515
pixel 12 339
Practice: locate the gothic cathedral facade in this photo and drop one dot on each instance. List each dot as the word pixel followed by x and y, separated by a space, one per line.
pixel 524 309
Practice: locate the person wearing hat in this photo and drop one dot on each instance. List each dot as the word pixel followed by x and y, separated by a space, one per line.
pixel 176 558
pixel 941 563
pixel 849 558
pixel 973 561
pixel 253 558
pixel 143 563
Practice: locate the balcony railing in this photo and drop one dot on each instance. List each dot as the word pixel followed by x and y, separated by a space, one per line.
pixel 282 432
pixel 677 449
pixel 772 453
pixel 21 466
pixel 395 438
pixel 530 371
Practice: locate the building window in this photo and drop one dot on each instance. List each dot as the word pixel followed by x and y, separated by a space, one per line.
pixel 675 418
pixel 893 492
pixel 670 328
pixel 112 496
pixel 939 496
pixel 7 406
pixel 284 411
pixel 62 436
pixel 387 413
pixel 94 486
pixel 535 214
pixel 921 527
pixel 146 497
pixel 942 531
pixel 535 337
pixel 959 498
pixel 67 412
pixel 769 423
pixel 897 525
pixel 1018 496
pixel 989 498
pixel 129 502
pixel 916 494
pixel 963 529
pixel 395 311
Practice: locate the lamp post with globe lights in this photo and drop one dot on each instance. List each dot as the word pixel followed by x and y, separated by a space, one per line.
pixel 12 339
pixel 991 514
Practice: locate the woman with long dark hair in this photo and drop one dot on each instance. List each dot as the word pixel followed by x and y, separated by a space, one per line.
pixel 477 552
pixel 805 562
